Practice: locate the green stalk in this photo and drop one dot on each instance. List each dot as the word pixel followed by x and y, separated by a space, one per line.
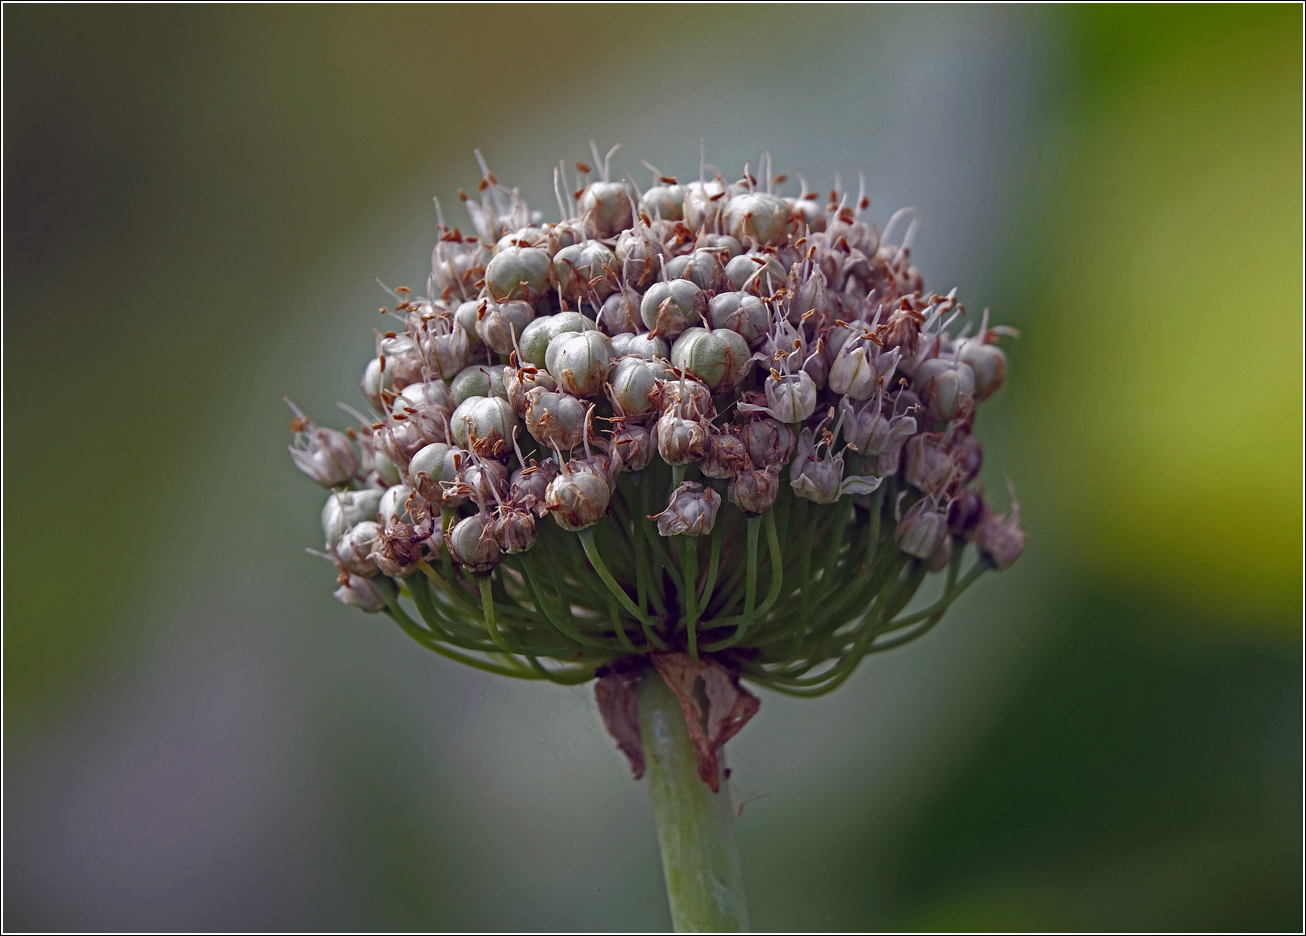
pixel 696 827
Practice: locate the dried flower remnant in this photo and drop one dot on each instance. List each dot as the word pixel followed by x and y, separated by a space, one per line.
pixel 709 431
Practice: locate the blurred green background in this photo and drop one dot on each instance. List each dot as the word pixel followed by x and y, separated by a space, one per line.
pixel 197 736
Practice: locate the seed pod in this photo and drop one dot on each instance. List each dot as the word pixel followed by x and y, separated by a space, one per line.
pixel 701 268
pixel 690 512
pixel 619 312
pixel 724 246
pixel 360 592
pixel 435 472
pixel 465 317
pixel 631 386
pixel 639 256
pixel 758 217
pixel 477 380
pixel 501 323
pixel 671 307
pixel 680 440
pixel 577 499
pixel 518 273
pixel 529 486
pixel 634 444
pixel 664 201
pixel 718 358
pixel 1000 538
pixel 922 529
pixel 325 455
pixel 555 420
pixel 384 469
pixel 444 351
pixel 988 363
pixel 392 509
pixel 769 442
pixel 685 396
pixel 519 381
pixel 791 398
pixel 457 264
pixel 584 270
pixel 354 548
pixel 605 207
pixel 399 439
pixel 606 463
pixel 703 204
pixel 512 529
pixel 535 338
pixel 344 509
pixel 944 386
pixel 757 273
pixel 470 547
pixel 809 212
pixel 929 464
pixel 485 480
pixel 397 550
pixel 742 313
pixel 484 425
pixel 579 363
pixel 754 490
pixel 425 407
pixel 724 454
pixel 647 346
pixel 374 381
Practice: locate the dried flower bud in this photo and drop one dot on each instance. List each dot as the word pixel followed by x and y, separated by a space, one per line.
pixel 325 455
pixel 584 270
pixel 685 395
pixel 634 445
pixel 944 386
pixel 355 547
pixel 512 528
pixel 922 529
pixel 791 398
pixel 903 331
pixel 701 267
pixel 664 201
pixel 691 511
pixel 471 546
pixel 759 218
pixel 485 480
pixel 929 464
pixel 518 273
pixel 529 486
pixel 579 363
pixel 770 442
pixel 754 490
pixel 988 363
pixel 605 206
pixel 631 385
pixel 742 313
pixel 671 307
pixel 577 499
pixel 807 212
pixel 400 439
pixel 718 358
pixel 500 323
pixel 444 351
pixel 999 537
pixel 680 440
pixel 344 509
pixel 724 454
pixel 397 550
pixel 362 593
pixel 484 380
pixel 484 424
pixel 555 420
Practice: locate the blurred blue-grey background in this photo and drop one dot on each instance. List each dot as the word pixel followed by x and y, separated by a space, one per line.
pixel 197 737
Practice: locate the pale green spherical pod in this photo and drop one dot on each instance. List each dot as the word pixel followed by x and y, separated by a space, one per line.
pixel 579 363
pixel 759 218
pixel 385 468
pixel 631 385
pixel 680 440
pixel 605 208
pixel 518 273
pixel 470 547
pixel 664 201
pixel 583 270
pixel 671 307
pixel 758 273
pixel 742 313
pixel 484 425
pixel 703 202
pixel 555 420
pixel 640 256
pixel 465 317
pixel 434 467
pixel 535 337
pixel 648 346
pixel 502 322
pixel 754 490
pixel 987 361
pixel 723 245
pixel 619 313
pixel 374 381
pixel 718 358
pixel 345 509
pixel 529 236
pixel 701 267
pixel 477 380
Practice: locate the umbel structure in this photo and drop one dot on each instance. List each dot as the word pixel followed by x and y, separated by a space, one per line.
pixel 705 428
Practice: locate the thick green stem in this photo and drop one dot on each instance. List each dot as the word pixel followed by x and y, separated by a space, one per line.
pixel 696 827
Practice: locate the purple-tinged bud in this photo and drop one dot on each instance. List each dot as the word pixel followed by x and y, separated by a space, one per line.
pixel 742 313
pixel 425 407
pixel 964 513
pixel 535 337
pixel 518 273
pixel 680 440
pixel 703 203
pixel 555 420
pixel 483 380
pixel 355 548
pixel 816 479
pixel 988 362
pixel 484 425
pixel 852 374
pixel 664 201
pixel 579 363
pixel 690 512
pixel 880 439
pixel 970 458
pixel 634 444
pixel 325 455
pixel 758 274
pixel 770 442
pixel 344 509
pixel 944 386
pixel 577 499
pixel 792 397
pixel 529 486
pixel 754 490
pixel 646 345
pixel 584 270
pixel 639 256
pixel 758 217
pixel 922 529
pixel 929 465
pixel 457 264
pixel 811 293
pixel 362 593
pixel 999 538
pixel 718 358
pixel 519 381
pixel 724 454
pixel 940 558
pixel 631 386
pixel 701 267
pixel 671 307
pixel 606 464
pixel 619 312
pixel 434 471
pixel 512 528
pixel 392 509
pixel 605 206
pixel 500 323
pixel 470 545
pixel 397 550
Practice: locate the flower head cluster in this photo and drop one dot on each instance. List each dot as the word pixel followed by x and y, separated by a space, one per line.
pixel 583 430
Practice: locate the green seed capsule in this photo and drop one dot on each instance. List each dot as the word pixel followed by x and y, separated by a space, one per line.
pixel 631 385
pixel 478 380
pixel 702 268
pixel 584 270
pixel 535 337
pixel 718 358
pixel 758 218
pixel 518 273
pixel 579 363
pixel 671 307
pixel 664 201
pixel 484 425
pixel 758 273
pixel 605 206
pixel 740 312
